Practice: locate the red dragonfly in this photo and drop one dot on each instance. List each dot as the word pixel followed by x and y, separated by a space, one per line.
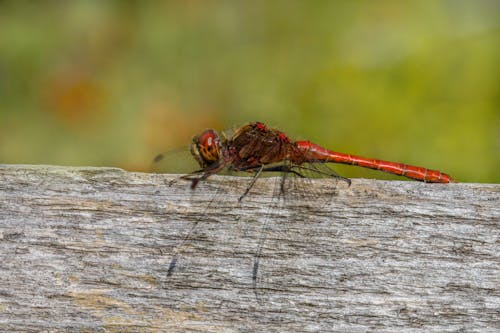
pixel 256 148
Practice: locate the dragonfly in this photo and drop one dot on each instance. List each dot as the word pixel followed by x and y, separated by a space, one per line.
pixel 256 148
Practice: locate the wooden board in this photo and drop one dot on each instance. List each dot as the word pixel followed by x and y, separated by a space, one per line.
pixel 91 249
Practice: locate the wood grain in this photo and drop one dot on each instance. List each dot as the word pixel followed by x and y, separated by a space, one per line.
pixel 89 249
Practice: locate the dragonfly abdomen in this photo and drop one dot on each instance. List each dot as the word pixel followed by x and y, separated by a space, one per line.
pixel 316 153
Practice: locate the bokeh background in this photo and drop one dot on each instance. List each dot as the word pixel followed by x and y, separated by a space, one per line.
pixel 113 83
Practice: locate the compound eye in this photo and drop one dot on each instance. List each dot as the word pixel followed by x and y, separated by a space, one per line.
pixel 209 146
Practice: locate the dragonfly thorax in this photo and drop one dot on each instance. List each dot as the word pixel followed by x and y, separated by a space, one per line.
pixel 206 148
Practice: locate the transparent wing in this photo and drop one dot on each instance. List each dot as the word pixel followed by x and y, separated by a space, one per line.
pixel 302 183
pixel 177 161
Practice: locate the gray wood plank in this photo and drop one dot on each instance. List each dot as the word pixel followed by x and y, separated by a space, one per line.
pixel 89 249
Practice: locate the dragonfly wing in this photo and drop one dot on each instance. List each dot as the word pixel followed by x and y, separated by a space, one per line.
pixel 178 161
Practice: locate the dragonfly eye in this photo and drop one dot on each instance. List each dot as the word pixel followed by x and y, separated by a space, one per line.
pixel 206 148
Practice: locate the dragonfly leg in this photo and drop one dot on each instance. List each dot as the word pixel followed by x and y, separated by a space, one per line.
pixel 249 187
pixel 275 168
pixel 195 177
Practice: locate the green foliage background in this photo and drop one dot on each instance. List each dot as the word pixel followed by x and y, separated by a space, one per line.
pixel 115 82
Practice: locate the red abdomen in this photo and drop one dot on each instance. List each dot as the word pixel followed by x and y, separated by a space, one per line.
pixel 315 153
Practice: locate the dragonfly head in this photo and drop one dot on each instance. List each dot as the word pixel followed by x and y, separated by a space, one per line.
pixel 206 148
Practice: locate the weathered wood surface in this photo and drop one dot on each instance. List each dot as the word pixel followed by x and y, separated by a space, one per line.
pixel 88 249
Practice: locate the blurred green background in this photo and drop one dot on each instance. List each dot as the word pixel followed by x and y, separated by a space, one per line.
pixel 113 83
